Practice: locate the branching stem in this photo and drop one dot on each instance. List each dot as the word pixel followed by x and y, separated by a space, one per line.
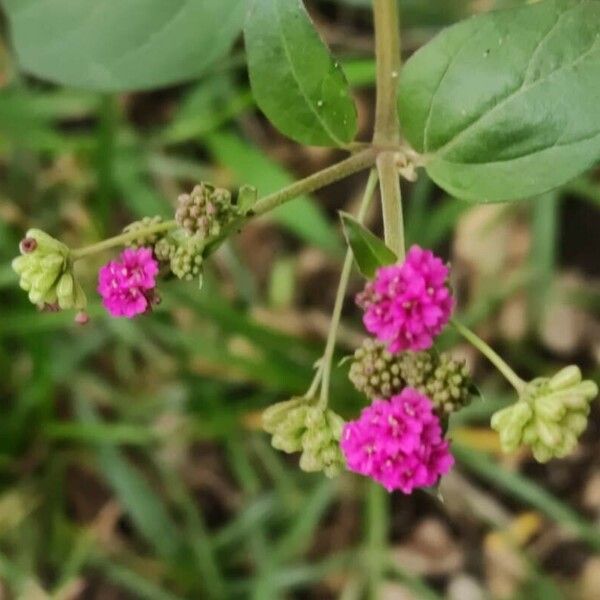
pixel 326 361
pixel 491 355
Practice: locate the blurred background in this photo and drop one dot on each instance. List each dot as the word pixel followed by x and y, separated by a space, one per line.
pixel 132 465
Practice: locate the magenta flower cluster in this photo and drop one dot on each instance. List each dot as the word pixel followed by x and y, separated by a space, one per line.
pixel 127 285
pixel 406 305
pixel 399 443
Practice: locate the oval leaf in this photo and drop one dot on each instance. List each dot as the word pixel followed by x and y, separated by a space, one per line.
pixel 507 105
pixel 295 81
pixel 115 46
pixel 369 251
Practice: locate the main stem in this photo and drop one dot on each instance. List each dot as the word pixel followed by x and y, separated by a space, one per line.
pixel 326 361
pixel 491 355
pixel 387 127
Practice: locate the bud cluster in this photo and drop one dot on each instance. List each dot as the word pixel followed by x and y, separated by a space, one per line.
pixel 205 211
pixel 185 258
pixel 378 373
pixel 142 226
pixel 298 425
pixel 549 416
pixel 46 272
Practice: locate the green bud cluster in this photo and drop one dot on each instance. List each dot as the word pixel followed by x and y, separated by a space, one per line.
pixel 145 238
pixel 45 270
pixel 377 373
pixel 549 416
pixel 205 211
pixel 298 425
pixel 165 249
pixel 186 258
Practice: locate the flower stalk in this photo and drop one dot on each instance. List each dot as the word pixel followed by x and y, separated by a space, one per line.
pixel 491 355
pixel 326 361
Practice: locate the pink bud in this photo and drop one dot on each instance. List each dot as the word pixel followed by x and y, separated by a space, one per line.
pixel 28 245
pixel 82 318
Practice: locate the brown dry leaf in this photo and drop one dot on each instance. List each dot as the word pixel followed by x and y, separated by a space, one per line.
pixel 591 492
pixel 513 319
pixel 589 580
pixel 395 591
pixel 505 567
pixel 481 240
pixel 463 587
pixel 429 551
pixel 564 326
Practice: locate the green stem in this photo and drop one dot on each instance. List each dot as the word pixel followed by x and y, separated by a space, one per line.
pixel 377 511
pixel 387 127
pixel 491 355
pixel 340 296
pixel 353 164
pixel 123 239
pixel 340 170
pixel 387 56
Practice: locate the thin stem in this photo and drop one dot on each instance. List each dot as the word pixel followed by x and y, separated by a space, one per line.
pixel 124 238
pixel 387 127
pixel 377 511
pixel 340 170
pixel 341 294
pixel 353 164
pixel 491 355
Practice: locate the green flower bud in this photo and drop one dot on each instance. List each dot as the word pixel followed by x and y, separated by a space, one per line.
pixel 205 211
pixel 299 425
pixel 186 261
pixel 144 239
pixel 165 249
pixel 549 416
pixel 379 374
pixel 46 272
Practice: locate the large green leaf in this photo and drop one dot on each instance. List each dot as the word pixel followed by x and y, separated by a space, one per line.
pixel 507 104
pixel 296 82
pixel 112 46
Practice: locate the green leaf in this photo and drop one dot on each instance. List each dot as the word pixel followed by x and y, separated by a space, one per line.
pixel 369 251
pixel 505 105
pixel 115 46
pixel 295 81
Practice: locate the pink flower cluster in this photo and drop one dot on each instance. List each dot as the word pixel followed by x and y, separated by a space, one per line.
pixel 408 304
pixel 398 443
pixel 127 285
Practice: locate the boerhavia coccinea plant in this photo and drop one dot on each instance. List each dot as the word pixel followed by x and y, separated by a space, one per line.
pixel 475 135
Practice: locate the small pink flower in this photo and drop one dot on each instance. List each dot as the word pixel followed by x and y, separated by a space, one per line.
pixel 408 304
pixel 127 285
pixel 398 443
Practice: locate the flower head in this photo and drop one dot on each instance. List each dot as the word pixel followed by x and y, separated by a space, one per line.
pixel 408 304
pixel 45 271
pixel 126 285
pixel 549 416
pixel 398 443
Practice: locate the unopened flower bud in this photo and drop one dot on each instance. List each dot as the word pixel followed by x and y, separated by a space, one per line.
pixel 141 226
pixel 549 416
pixel 380 374
pixel 82 318
pixel 186 261
pixel 46 272
pixel 205 211
pixel 299 425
